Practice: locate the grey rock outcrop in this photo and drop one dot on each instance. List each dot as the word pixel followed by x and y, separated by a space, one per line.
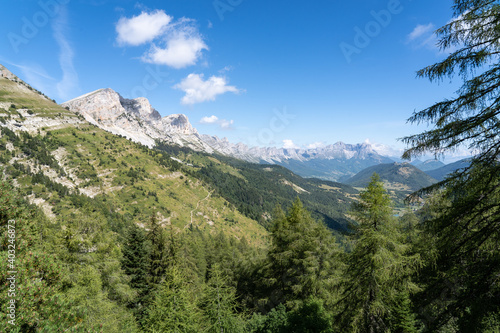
pixel 136 119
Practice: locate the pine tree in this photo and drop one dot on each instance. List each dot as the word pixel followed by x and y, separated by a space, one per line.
pixel 302 261
pixel 378 268
pixel 311 316
pixel 158 257
pixel 472 117
pixel 465 227
pixel 135 264
pixel 403 318
pixel 174 308
pixel 219 304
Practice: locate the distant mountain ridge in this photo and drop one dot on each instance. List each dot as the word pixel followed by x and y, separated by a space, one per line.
pixel 62 162
pixel 428 164
pixel 331 162
pixel 404 176
pixel 444 171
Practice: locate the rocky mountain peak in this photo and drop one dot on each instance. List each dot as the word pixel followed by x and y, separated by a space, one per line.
pixel 102 105
pixel 178 123
pixel 136 119
pixel 141 107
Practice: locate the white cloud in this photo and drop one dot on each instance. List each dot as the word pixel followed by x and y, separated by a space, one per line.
pixel 69 81
pixel 420 30
pixel 209 120
pixel 223 123
pixel 315 145
pixel 288 144
pixel 177 44
pixel 226 124
pixel 183 48
pixel 142 28
pixel 226 69
pixel 197 90
pixel 385 150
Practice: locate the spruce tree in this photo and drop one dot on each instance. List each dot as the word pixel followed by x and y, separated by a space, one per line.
pixel 311 316
pixel 403 318
pixel 379 266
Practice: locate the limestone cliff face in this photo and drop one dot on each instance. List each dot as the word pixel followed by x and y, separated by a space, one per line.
pixel 136 119
pixel 178 123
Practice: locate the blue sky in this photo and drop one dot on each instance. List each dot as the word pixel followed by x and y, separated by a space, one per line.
pixel 269 73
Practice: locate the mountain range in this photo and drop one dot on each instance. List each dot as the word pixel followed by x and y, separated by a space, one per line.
pixel 137 120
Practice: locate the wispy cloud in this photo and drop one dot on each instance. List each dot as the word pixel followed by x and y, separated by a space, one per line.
pixel 65 87
pixel 223 123
pixel 177 44
pixel 420 30
pixel 31 71
pixel 226 69
pixel 69 81
pixel 423 36
pixel 199 90
pixel 35 75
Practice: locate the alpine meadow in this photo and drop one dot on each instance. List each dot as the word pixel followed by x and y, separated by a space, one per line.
pixel 120 211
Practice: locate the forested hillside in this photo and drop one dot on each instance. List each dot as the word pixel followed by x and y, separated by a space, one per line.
pixel 256 189
pixel 400 179
pixel 100 234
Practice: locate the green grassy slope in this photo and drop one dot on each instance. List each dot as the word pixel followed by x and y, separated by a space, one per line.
pixel 403 176
pixel 256 189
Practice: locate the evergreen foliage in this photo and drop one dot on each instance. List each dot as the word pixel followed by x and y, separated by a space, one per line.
pixel 310 317
pixel 276 321
pixel 465 225
pixel 159 256
pixel 175 307
pixel 302 260
pixel 135 265
pixel 219 304
pixel 379 266
pixel 403 319
pixel 256 189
